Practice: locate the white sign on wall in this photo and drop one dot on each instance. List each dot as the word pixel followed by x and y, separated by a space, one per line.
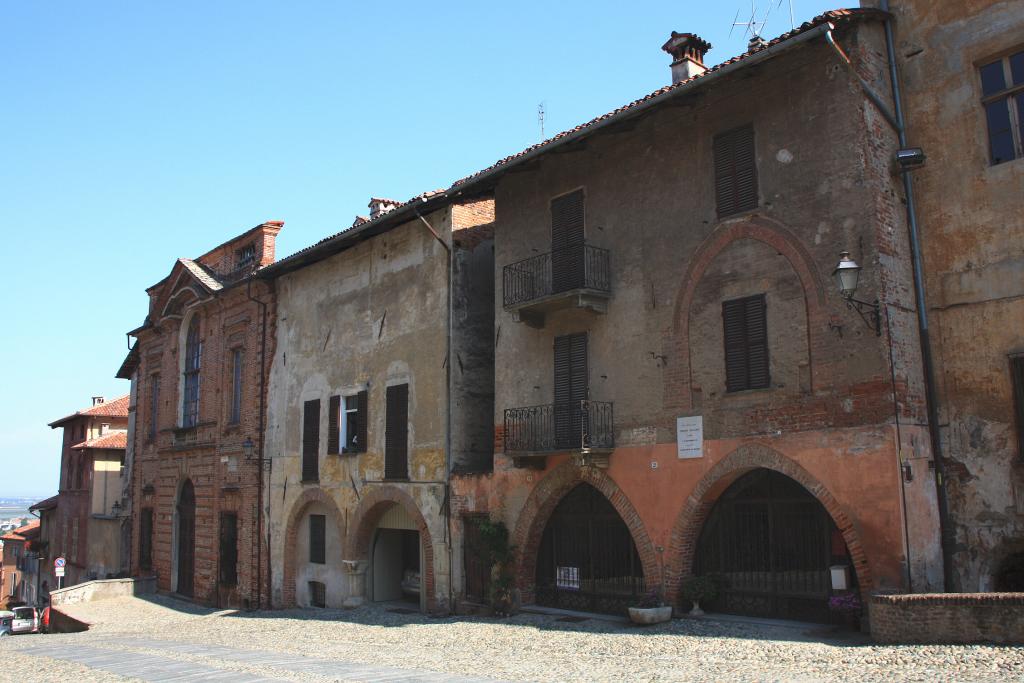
pixel 690 436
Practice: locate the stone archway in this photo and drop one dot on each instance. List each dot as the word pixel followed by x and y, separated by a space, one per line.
pixel 542 502
pixel 678 378
pixel 686 531
pixel 368 515
pixel 299 507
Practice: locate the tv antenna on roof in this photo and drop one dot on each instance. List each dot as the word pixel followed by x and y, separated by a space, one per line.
pixel 755 28
pixel 540 119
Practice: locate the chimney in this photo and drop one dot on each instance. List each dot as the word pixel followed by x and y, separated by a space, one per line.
pixel 687 50
pixel 379 207
pixel 96 400
pixel 756 43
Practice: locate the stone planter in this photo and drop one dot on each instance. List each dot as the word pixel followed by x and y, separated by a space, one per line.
pixel 650 615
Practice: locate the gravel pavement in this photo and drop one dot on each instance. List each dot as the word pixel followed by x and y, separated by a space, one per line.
pixel 147 637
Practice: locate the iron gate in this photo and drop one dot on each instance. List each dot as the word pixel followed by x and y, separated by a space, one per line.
pixel 770 541
pixel 587 558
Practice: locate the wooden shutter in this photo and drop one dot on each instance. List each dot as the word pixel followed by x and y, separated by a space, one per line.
pixel 396 433
pixel 228 549
pixel 362 420
pixel 735 171
pixel 1017 377
pixel 318 539
pixel 567 257
pixel 571 387
pixel 311 441
pixel 746 343
pixel 146 539
pixel 333 434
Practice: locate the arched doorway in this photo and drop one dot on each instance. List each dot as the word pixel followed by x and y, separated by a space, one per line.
pixel 771 543
pixel 186 539
pixel 587 559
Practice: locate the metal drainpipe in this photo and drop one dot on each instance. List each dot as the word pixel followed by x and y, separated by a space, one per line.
pixel 259 460
pixel 931 401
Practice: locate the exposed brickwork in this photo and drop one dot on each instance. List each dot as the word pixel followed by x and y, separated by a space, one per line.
pixel 686 532
pixel 948 618
pixel 308 497
pixel 367 515
pixel 542 501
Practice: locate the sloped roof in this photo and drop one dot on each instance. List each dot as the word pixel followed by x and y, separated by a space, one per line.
pixel 116 408
pixel 111 440
pixel 47 504
pixel 25 533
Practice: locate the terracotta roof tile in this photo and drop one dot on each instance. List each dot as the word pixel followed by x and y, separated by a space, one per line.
pixel 203 274
pixel 23 533
pixel 116 408
pixel 111 440
pixel 46 504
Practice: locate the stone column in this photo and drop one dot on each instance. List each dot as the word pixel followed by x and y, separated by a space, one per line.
pixel 356 572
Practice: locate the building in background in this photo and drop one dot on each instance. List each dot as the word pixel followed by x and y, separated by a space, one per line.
pixel 203 353
pixel 86 523
pixel 20 567
pixel 962 71
pixel 381 386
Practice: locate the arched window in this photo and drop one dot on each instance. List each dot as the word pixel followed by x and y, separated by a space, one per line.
pixel 193 357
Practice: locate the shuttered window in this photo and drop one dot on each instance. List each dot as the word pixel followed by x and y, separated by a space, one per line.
pixel 571 389
pixel 396 433
pixel 746 343
pixel 318 539
pixel 311 441
pixel 146 539
pixel 1017 376
pixel 735 171
pixel 346 424
pixel 228 549
pixel 236 387
pixel 333 428
pixel 567 255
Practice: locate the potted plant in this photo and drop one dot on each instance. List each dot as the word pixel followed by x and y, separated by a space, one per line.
pixel 651 610
pixel 500 554
pixel 697 589
pixel 847 608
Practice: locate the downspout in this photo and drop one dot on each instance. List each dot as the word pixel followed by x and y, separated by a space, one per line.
pixel 259 459
pixel 446 505
pixel 897 121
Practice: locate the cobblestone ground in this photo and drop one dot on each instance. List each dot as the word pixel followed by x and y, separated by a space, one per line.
pixel 159 638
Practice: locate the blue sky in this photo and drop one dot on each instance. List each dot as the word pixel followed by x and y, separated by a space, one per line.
pixel 134 133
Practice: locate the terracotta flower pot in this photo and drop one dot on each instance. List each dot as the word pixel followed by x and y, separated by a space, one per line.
pixel 650 615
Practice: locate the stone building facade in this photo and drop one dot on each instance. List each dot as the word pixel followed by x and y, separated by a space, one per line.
pixel 680 386
pixel 203 354
pixel 84 527
pixel 380 387
pixel 962 71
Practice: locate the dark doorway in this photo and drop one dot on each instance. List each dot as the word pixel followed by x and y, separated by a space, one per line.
pixel 587 558
pixel 186 539
pixel 771 542
pixel 396 565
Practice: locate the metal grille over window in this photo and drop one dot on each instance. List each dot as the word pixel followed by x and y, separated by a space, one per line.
pixel 318 539
pixel 1002 91
pixel 396 436
pixel 735 171
pixel 311 440
pixel 193 359
pixel 317 594
pixel 746 343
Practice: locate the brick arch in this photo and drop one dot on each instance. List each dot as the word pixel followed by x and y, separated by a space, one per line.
pixel 371 508
pixel 541 503
pixel 686 531
pixel 774 234
pixel 299 507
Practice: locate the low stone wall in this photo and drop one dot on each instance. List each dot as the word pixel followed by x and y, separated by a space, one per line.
pixel 102 589
pixel 65 623
pixel 948 618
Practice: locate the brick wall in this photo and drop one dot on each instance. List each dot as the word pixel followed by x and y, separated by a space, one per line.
pixel 948 618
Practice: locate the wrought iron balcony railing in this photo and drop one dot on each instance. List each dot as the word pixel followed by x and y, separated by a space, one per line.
pixel 582 426
pixel 576 267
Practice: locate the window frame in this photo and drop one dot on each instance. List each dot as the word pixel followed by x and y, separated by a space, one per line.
pixel 237 372
pixel 1012 93
pixel 154 405
pixel 318 539
pixel 193 350
pixel 747 345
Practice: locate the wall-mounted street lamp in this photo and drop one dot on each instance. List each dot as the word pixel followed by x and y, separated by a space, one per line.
pixel 248 447
pixel 847 275
pixel 116 508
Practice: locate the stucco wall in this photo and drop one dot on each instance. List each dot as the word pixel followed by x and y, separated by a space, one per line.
pixel 972 222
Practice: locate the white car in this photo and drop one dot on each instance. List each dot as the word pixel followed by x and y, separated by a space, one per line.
pixel 26 620
pixel 6 622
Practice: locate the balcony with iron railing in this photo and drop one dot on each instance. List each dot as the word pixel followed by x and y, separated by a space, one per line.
pixel 577 276
pixel 583 429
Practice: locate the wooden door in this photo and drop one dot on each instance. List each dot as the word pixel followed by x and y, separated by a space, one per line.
pixel 186 540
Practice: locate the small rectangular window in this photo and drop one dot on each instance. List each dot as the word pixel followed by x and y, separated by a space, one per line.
pixel 1017 379
pixel 228 549
pixel 318 539
pixel 246 256
pixel 311 441
pixel 746 343
pixel 236 386
pixel 396 433
pixel 1002 90
pixel 317 594
pixel 735 171
pixel 146 539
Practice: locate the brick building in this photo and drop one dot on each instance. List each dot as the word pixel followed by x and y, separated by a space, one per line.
pixel 203 353
pixel 381 386
pixel 85 526
pixel 680 386
pixel 962 71
pixel 20 575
